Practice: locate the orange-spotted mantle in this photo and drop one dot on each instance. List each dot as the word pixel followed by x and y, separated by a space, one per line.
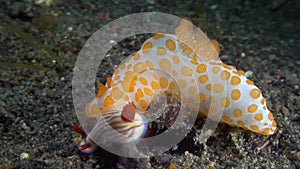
pixel 187 61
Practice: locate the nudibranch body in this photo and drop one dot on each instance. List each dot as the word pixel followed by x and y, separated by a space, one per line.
pixel 189 62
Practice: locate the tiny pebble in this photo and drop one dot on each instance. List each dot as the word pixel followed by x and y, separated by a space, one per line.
pixel 46 162
pixel 213 7
pixel 249 73
pixel 112 42
pixel 24 156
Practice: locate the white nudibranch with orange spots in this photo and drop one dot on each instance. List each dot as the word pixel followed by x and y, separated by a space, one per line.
pixel 192 60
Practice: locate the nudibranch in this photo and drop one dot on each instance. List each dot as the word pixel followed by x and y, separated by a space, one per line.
pixel 192 60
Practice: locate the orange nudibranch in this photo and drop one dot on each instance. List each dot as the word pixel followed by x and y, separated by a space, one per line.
pixel 190 61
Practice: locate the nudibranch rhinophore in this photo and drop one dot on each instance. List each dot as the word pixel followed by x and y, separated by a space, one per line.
pixel 190 58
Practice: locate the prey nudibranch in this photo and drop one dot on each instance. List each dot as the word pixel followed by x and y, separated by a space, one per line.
pixel 187 60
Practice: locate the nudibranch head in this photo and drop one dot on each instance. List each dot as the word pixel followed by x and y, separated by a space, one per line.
pixel 111 128
pixel 86 146
pixel 115 128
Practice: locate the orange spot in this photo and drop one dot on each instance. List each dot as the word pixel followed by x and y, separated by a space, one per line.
pixel 149 64
pixel 252 108
pixel 216 45
pixel 186 71
pixel 225 75
pixel 208 87
pixel 235 80
pixel 161 51
pixel 117 77
pixel 143 81
pixel 108 101
pixel 237 113
pixel 122 66
pixel 201 68
pixel 263 100
pixel 129 81
pixel 265 132
pixel 241 124
pixel 216 63
pixel 127 59
pixel 117 93
pixel 154 75
pixel 158 36
pixel 171 45
pixel 270 116
pixel 224 102
pixel 175 59
pixel 129 66
pixel 147 47
pixel 155 86
pixel 226 119
pixel 226 66
pixel 255 93
pixel 117 71
pixel 136 57
pixel 137 97
pixel 235 94
pixel 240 72
pixel 254 127
pixel 216 69
pixel 192 90
pixel 139 94
pixel 194 61
pixel 274 124
pixel 139 67
pixel 143 104
pixel 174 73
pixel 258 117
pixel 148 92
pixel 249 82
pixel 181 83
pixel 126 98
pixel 218 88
pixel 172 86
pixel 163 82
pixel 203 79
pixel 165 64
pixel 201 97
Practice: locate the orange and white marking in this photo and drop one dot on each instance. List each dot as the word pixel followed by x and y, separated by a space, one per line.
pixel 190 61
